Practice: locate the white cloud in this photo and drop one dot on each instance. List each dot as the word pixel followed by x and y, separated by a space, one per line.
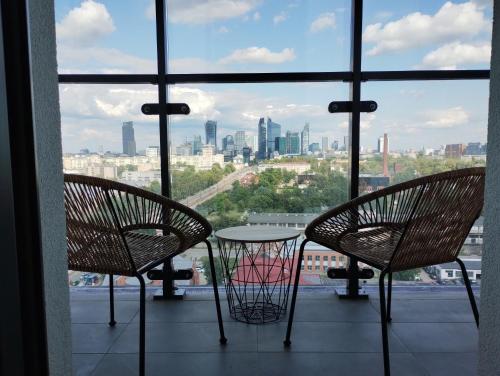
pixel 323 22
pixel 280 17
pixel 456 54
pixel 207 11
pixel 258 55
pixel 366 122
pixel 451 21
pixel 256 16
pixel 151 10
pixel 223 30
pixel 85 24
pixel 447 118
pixel 101 60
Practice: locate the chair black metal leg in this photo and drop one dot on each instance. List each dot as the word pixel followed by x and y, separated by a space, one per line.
pixel 383 320
pixel 389 297
pixel 112 321
pixel 142 327
pixel 287 341
pixel 222 339
pixel 472 299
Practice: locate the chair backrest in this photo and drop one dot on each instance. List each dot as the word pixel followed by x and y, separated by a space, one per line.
pixel 94 240
pixel 445 209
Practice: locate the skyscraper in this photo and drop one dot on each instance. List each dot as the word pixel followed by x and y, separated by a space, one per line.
pixel 324 144
pixel 197 145
pixel 304 137
pixel 293 143
pixel 211 133
pixel 280 145
pixel 239 142
pixel 128 138
pixel 228 143
pixel 273 131
pixel 262 134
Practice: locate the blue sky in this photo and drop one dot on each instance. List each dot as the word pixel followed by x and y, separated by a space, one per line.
pixel 96 36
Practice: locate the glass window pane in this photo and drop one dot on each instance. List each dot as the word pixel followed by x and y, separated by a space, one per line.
pixel 259 154
pixel 427 127
pixel 252 36
pixel 104 134
pixel 420 34
pixel 105 36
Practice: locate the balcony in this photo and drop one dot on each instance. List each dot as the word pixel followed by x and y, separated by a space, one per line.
pixel 432 333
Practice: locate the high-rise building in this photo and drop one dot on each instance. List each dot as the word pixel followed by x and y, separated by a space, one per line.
pixel 246 151
pixel 153 151
pixel 228 143
pixel 380 143
pixel 335 145
pixel 292 143
pixel 197 145
pixel 454 150
pixel 239 142
pixel 184 149
pixel 273 131
pixel 280 145
pixel 304 139
pixel 211 133
pixel 262 135
pixel 314 147
pixel 128 138
pixel 324 144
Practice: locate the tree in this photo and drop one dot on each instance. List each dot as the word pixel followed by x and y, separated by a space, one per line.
pixel 407 275
pixel 219 268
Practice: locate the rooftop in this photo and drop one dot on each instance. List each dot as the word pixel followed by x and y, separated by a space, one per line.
pixel 432 333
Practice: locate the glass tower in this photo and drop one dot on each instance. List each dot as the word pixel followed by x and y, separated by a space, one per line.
pixel 128 138
pixel 211 133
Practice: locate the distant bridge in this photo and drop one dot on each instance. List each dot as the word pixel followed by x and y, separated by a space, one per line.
pixel 223 185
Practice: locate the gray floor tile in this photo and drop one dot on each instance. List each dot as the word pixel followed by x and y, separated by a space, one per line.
pixel 336 310
pixel 86 312
pixel 84 364
pixel 94 338
pixel 349 364
pixel 188 337
pixel 429 310
pixel 437 337
pixel 189 364
pixel 183 311
pixel 327 337
pixel 449 364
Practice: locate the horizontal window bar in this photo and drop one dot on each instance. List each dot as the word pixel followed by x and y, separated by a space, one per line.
pixel 108 79
pixel 225 78
pixel 425 75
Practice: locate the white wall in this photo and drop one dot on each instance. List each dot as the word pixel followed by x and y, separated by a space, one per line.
pixel 47 126
pixel 489 332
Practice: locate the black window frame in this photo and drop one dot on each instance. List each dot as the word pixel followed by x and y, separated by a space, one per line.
pixel 355 77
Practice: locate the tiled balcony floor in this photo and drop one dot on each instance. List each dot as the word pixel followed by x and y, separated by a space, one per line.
pixel 432 333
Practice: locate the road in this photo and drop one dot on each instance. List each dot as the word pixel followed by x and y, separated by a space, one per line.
pixel 224 185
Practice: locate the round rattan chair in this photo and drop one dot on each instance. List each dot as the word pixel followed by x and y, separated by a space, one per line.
pixel 111 229
pixel 410 225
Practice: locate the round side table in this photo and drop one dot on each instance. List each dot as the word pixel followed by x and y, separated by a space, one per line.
pixel 257 263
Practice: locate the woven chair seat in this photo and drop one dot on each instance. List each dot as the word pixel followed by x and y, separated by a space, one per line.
pixel 374 246
pixel 151 249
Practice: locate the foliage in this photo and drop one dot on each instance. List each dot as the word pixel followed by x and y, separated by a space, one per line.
pixel 219 270
pixel 407 275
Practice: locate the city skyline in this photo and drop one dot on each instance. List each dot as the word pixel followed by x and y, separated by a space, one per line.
pixel 306 36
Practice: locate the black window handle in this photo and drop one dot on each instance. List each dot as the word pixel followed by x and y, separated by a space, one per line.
pixel 172 109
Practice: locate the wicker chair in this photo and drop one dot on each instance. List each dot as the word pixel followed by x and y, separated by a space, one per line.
pixel 411 225
pixel 111 230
